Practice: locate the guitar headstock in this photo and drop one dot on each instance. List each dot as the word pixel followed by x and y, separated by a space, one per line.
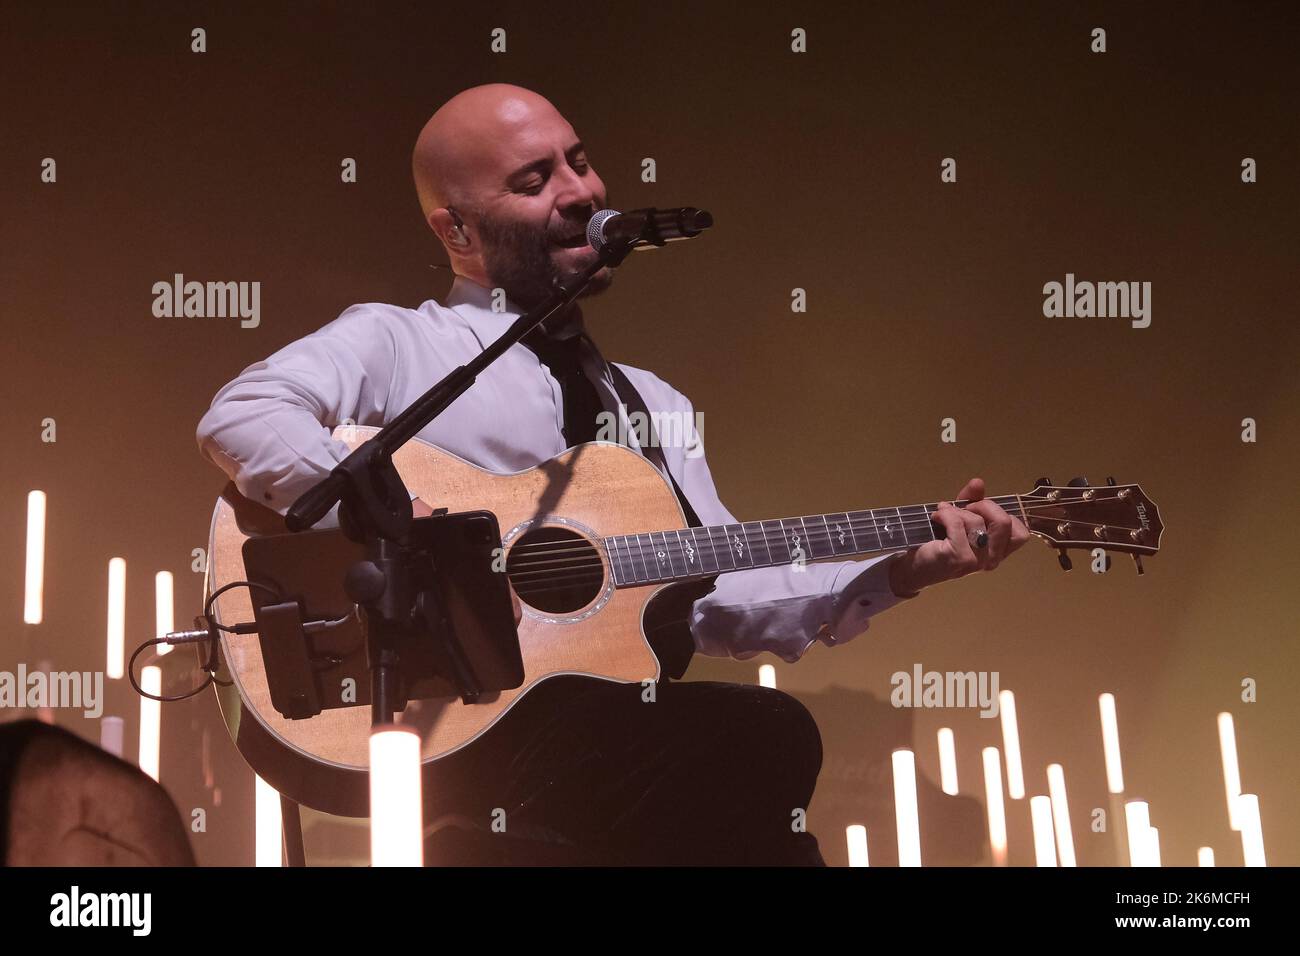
pixel 1112 517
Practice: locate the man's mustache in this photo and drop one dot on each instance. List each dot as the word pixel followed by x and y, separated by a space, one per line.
pixel 570 228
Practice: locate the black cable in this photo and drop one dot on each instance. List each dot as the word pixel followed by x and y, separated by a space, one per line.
pixel 211 666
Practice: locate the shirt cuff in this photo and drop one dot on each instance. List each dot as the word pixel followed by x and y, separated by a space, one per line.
pixel 861 590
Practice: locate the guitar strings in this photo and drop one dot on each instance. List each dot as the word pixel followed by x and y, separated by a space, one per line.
pixel 907 523
pixel 817 535
pixel 574 565
pixel 675 553
pixel 591 569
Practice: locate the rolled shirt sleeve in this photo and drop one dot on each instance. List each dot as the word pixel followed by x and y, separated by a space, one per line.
pixel 270 428
pixel 783 609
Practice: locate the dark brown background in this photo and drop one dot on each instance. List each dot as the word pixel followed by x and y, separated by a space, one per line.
pixel 823 172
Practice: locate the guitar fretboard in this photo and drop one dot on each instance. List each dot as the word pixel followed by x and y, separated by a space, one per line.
pixel 654 557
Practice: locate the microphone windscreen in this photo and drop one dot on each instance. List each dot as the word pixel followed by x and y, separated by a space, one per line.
pixel 596 228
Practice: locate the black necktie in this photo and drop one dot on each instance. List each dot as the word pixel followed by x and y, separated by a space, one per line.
pixel 582 402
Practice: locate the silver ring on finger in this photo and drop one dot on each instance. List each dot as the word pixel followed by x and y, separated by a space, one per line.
pixel 979 539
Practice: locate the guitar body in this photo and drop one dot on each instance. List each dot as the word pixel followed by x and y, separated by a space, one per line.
pixel 586 493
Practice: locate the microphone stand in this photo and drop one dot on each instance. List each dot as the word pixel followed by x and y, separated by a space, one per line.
pixel 375 505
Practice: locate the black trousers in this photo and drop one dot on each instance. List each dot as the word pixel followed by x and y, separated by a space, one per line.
pixel 585 771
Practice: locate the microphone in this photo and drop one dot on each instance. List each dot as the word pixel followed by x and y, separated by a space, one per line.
pixel 646 228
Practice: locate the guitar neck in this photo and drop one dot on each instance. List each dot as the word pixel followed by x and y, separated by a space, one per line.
pixel 654 557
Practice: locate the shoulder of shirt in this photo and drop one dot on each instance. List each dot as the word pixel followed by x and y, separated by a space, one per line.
pixel 656 392
pixel 365 317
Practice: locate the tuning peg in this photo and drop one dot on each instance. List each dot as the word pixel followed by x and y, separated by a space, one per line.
pixel 1078 482
pixel 1064 560
pixel 1042 481
pixel 1137 559
pixel 1110 480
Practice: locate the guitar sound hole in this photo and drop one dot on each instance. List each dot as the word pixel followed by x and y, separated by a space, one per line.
pixel 555 570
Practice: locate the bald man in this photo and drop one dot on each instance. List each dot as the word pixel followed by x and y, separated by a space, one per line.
pixel 504 182
pixel 586 771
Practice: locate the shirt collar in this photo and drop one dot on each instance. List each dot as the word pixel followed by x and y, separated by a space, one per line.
pixel 473 303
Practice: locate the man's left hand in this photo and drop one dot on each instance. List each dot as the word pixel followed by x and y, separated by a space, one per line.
pixel 958 554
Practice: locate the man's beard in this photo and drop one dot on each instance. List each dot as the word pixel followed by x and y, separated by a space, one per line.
pixel 518 258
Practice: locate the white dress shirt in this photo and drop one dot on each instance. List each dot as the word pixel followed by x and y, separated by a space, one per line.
pixel 270 428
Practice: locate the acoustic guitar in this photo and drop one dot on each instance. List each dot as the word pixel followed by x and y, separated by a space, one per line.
pixel 590 538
